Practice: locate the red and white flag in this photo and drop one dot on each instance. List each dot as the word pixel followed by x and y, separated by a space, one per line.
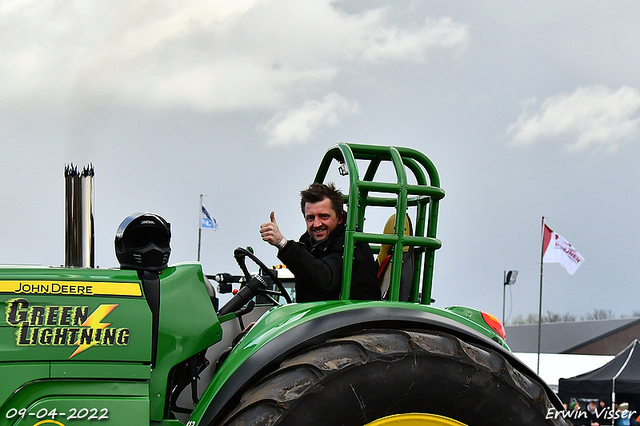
pixel 556 249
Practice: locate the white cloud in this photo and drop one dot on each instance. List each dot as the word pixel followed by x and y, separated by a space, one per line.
pixel 197 54
pixel 300 124
pixel 388 43
pixel 592 116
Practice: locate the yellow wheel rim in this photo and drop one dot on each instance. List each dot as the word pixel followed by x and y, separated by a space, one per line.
pixel 415 419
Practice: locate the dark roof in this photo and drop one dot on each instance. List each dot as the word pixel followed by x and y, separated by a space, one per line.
pixel 563 337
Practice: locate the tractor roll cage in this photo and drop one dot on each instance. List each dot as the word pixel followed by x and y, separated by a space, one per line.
pixel 424 194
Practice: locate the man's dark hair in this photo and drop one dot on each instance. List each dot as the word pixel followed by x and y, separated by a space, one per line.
pixel 318 192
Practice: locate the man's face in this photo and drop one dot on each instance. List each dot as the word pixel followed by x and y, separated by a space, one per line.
pixel 321 219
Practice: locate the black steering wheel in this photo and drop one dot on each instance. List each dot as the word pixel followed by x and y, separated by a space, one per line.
pixel 241 254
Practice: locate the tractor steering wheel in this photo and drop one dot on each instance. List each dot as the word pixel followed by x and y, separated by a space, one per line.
pixel 241 254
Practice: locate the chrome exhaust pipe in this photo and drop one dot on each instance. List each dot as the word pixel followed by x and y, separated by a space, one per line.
pixel 79 229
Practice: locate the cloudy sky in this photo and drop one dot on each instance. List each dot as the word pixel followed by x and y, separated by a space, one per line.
pixel 528 109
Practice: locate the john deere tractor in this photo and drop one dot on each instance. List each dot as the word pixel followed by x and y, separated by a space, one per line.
pixel 148 344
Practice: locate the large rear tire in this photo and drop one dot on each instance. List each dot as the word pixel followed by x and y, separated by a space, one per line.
pixel 356 380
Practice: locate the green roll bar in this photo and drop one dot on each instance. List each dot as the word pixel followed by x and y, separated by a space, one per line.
pixel 424 194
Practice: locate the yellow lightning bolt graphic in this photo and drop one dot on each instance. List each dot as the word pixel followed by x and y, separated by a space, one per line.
pixel 94 322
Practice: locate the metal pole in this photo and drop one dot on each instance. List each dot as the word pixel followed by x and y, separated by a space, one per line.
pixel 199 227
pixel 540 300
pixel 504 290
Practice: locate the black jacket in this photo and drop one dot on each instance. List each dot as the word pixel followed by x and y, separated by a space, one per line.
pixel 318 268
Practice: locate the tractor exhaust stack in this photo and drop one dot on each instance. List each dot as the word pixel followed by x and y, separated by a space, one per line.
pixel 79 228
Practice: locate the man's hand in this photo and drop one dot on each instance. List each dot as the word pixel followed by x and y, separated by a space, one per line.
pixel 270 232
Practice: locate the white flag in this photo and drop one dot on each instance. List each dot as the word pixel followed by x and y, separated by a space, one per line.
pixel 557 249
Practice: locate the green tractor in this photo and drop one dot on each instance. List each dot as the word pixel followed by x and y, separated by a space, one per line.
pixel 147 343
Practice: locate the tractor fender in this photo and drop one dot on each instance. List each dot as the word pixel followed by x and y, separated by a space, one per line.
pixel 291 328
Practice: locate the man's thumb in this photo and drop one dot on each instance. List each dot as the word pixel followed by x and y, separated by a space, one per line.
pixel 273 217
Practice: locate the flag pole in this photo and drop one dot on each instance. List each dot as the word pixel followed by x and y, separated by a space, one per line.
pixel 540 299
pixel 199 227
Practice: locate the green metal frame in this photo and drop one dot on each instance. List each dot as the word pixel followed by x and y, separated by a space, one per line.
pixel 425 194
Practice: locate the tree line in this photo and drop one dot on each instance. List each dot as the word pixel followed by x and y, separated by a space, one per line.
pixel 549 316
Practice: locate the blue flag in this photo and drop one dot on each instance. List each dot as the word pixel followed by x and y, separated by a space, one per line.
pixel 207 221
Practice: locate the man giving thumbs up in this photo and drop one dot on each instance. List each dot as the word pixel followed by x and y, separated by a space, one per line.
pixel 316 260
